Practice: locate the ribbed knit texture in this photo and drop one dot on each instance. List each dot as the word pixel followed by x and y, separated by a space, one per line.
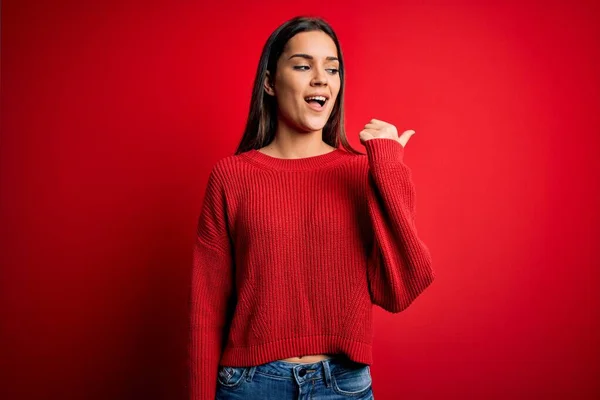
pixel 291 255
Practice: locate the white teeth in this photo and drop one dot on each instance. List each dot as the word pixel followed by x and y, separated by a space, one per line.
pixel 322 98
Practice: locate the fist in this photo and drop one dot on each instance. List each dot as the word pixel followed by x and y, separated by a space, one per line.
pixel 377 129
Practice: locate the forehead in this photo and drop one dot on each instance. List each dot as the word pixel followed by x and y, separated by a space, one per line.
pixel 315 43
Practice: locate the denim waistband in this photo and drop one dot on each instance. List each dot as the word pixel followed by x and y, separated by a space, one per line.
pixel 303 371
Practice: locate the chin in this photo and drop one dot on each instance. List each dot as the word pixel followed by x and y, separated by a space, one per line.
pixel 316 125
pixel 314 128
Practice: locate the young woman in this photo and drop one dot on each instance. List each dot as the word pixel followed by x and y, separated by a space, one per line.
pixel 298 239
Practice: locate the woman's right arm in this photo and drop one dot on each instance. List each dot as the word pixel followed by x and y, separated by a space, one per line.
pixel 211 287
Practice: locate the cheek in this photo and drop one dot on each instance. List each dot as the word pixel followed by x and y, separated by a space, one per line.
pixel 335 88
pixel 290 103
pixel 290 90
pixel 335 98
pixel 293 100
pixel 290 94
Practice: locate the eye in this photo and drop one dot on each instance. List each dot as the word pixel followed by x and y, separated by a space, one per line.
pixel 333 71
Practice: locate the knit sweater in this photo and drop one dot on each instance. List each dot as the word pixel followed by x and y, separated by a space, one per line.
pixel 291 255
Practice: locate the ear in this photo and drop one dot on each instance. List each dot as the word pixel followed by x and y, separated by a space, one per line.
pixel 268 85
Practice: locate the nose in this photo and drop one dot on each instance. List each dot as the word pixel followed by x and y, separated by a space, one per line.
pixel 319 77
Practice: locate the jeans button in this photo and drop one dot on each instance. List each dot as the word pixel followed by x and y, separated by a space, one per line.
pixel 302 372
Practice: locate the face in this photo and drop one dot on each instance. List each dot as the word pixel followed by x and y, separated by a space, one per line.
pixel 307 67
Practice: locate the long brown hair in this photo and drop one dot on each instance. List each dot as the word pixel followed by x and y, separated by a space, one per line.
pixel 262 118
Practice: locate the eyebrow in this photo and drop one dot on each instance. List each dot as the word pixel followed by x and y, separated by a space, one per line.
pixel 302 55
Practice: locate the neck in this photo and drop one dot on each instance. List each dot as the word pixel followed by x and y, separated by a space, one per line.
pixel 289 143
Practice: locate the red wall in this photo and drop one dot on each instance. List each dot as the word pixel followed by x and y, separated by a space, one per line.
pixel 113 114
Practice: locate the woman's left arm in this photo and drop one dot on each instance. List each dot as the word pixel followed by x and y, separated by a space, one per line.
pixel 399 265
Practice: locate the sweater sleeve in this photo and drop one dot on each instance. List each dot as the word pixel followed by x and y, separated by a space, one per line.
pixel 399 266
pixel 211 287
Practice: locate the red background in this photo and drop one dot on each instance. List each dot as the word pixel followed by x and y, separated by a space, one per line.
pixel 113 113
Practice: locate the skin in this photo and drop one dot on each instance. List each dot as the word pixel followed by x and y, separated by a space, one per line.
pixel 299 128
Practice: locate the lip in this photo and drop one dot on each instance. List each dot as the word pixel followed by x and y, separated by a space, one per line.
pixel 319 94
pixel 314 107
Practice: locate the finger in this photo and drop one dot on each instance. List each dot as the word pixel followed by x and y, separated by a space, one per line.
pixel 364 136
pixel 372 126
pixel 371 131
pixel 380 122
pixel 406 135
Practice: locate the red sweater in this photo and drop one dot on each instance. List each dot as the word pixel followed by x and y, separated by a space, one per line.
pixel 291 255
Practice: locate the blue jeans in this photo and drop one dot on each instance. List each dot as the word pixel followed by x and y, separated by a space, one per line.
pixel 330 379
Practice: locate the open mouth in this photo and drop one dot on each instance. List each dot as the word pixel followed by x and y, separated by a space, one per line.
pixel 316 101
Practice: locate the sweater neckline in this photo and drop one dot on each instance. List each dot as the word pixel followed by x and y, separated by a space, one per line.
pixel 304 163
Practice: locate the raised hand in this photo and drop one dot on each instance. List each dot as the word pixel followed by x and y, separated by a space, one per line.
pixel 377 129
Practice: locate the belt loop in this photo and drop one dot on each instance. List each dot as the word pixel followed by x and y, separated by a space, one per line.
pixel 250 373
pixel 327 373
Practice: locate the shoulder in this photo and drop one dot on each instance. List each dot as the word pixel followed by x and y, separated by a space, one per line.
pixel 358 160
pixel 226 167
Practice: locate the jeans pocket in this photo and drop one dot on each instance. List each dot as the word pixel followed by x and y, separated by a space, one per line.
pixel 352 380
pixel 231 377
